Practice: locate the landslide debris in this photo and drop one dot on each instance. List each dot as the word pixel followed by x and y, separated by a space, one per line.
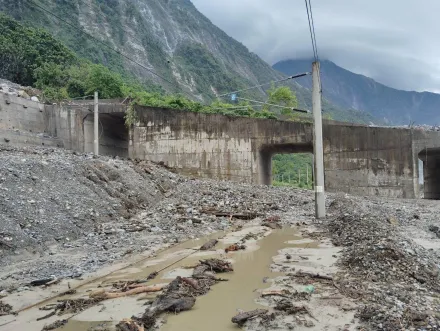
pixel 396 280
pixel 65 214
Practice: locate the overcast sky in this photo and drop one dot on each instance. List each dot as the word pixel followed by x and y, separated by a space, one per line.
pixel 396 42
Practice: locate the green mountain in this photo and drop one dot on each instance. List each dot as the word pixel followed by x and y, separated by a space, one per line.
pixel 349 90
pixel 168 37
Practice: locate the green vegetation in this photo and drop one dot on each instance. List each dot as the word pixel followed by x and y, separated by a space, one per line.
pixel 22 50
pixel 292 170
pixel 33 57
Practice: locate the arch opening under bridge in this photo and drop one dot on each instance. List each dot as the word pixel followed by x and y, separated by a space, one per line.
pixel 430 158
pixel 267 151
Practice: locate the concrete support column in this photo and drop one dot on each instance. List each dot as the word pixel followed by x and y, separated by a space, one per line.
pixel 96 126
pixel 317 143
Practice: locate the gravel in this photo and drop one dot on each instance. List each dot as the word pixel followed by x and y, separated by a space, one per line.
pixel 64 214
pixel 396 279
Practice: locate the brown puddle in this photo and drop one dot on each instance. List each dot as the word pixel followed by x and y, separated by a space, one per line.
pixel 212 311
pixel 215 310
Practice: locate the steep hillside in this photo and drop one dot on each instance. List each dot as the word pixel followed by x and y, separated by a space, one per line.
pixel 170 37
pixel 350 90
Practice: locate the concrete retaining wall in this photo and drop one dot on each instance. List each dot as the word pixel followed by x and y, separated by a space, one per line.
pixel 25 122
pixel 358 159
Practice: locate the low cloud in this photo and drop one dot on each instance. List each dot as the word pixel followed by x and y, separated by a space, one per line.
pixel 394 42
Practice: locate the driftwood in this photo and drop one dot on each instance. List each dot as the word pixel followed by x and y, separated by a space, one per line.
pixel 40 282
pixel 311 275
pixel 152 275
pixel 129 325
pixel 243 216
pixel 288 307
pixel 217 265
pixel 68 292
pixel 272 225
pixel 200 270
pixel 176 305
pixel 52 313
pixel 191 282
pixel 235 247
pixel 209 245
pixel 282 293
pixel 55 325
pixel 241 318
pixel 274 218
pixel 5 309
pixel 102 294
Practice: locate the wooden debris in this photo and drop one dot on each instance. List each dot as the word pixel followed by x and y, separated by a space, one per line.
pixel 152 275
pixel 176 305
pixel 311 275
pixel 199 270
pixel 129 325
pixel 241 318
pixel 217 265
pixel 191 282
pixel 272 225
pixel 102 294
pixel 208 245
pixel 5 309
pixel 282 293
pixel 288 307
pixel 243 216
pixel 52 313
pixel 274 218
pixel 69 292
pixel 40 282
pixel 55 325
pixel 235 247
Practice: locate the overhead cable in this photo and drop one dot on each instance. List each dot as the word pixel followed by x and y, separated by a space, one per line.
pixel 107 45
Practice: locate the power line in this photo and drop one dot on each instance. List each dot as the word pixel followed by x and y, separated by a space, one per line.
pixel 106 45
pixel 272 82
pixel 273 105
pixel 313 29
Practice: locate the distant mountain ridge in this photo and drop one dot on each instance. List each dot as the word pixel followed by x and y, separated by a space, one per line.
pixel 349 90
pixel 170 37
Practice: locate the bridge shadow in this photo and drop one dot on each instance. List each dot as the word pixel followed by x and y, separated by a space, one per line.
pixel 431 172
pixel 267 151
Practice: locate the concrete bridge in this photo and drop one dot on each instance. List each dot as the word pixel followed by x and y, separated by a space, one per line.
pixel 358 159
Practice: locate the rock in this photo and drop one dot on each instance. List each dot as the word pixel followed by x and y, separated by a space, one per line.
pixel 435 229
pixel 393 220
pixel 23 94
pixel 34 98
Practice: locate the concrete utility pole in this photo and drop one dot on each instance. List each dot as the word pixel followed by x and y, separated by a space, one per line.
pixel 96 126
pixel 317 143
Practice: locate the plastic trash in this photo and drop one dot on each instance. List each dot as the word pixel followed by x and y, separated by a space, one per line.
pixel 310 289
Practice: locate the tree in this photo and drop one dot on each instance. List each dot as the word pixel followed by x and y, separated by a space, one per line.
pixel 22 50
pixel 107 83
pixel 282 96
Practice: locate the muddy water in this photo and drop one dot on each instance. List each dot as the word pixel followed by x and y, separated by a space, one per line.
pixel 214 311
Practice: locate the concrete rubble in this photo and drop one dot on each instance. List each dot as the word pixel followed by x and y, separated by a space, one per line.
pixel 65 215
